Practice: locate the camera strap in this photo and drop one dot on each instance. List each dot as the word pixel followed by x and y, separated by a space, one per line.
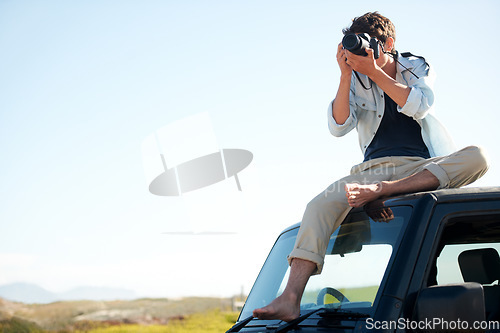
pixel 361 82
pixel 407 55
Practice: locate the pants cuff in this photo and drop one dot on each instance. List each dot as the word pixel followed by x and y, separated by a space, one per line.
pixel 310 256
pixel 439 173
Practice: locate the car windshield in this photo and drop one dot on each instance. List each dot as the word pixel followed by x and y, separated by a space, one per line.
pixel 355 263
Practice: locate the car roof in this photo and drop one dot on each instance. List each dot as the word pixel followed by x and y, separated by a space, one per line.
pixel 440 196
pixel 450 195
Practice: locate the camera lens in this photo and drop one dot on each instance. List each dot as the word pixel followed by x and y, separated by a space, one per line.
pixel 356 43
pixel 351 42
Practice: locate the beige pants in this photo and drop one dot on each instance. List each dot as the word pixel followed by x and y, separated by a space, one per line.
pixel 326 211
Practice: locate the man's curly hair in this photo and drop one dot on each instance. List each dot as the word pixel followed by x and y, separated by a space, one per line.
pixel 374 24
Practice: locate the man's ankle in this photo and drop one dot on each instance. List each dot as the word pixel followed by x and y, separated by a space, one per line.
pixel 291 297
pixel 385 188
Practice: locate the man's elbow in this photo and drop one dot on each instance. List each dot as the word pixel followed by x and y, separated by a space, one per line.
pixel 337 130
pixel 337 134
pixel 416 110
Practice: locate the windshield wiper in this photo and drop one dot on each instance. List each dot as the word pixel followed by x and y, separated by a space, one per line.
pixel 288 326
pixel 237 327
pixel 325 312
pixel 282 328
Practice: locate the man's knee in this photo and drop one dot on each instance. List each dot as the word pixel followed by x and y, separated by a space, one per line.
pixel 478 159
pixel 333 191
pixel 329 206
pixel 317 205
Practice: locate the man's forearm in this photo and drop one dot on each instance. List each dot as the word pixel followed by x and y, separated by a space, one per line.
pixel 340 106
pixel 397 91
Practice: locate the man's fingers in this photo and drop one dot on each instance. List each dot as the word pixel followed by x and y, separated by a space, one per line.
pixel 370 52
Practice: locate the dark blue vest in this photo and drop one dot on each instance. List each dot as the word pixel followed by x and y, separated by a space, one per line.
pixel 397 135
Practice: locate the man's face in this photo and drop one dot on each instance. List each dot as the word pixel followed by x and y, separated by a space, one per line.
pixel 383 58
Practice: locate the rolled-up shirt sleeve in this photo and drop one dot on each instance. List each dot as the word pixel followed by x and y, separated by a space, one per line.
pixel 350 123
pixel 340 129
pixel 421 96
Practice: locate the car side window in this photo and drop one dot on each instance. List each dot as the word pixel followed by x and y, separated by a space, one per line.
pixel 468 251
pixel 452 264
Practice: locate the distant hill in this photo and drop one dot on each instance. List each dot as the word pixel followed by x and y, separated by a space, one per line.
pixel 97 294
pixel 32 293
pixel 71 316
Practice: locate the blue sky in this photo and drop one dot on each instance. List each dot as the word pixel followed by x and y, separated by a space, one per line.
pixel 84 83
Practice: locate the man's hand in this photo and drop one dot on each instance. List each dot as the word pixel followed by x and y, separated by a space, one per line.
pixel 363 64
pixel 340 105
pixel 345 69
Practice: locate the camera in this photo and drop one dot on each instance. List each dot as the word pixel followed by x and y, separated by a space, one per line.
pixel 358 43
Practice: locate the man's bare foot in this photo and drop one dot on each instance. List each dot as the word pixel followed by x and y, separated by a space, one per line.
pixel 283 308
pixel 359 195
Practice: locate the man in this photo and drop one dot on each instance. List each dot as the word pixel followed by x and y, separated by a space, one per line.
pixel 388 100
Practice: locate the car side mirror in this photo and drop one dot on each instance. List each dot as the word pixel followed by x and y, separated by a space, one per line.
pixel 451 308
pixel 351 236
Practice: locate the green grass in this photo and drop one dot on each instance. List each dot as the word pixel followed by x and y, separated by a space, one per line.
pixel 362 294
pixel 213 321
pixel 193 314
pixel 18 325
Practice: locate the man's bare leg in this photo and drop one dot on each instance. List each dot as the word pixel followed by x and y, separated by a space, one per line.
pixel 287 306
pixel 359 195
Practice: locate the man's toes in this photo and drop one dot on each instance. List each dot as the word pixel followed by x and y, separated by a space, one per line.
pixel 261 311
pixel 351 187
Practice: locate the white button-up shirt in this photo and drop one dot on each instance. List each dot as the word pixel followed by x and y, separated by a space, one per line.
pixel 367 107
